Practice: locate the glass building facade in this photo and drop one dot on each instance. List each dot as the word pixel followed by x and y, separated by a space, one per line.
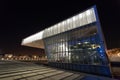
pixel 76 44
pixel 81 46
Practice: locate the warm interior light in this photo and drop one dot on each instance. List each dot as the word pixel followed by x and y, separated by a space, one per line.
pixel 86 42
pixel 79 43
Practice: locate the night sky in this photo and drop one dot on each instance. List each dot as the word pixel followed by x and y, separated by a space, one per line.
pixel 21 19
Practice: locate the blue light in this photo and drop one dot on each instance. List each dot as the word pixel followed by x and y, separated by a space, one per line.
pixel 101 51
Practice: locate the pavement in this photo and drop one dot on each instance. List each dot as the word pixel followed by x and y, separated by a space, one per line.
pixel 115 67
pixel 16 70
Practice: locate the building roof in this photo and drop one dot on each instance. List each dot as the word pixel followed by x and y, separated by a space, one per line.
pixel 86 17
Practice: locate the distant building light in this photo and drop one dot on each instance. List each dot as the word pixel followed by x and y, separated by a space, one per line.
pixel 118 54
pixel 10 55
pixel 35 57
pixel 2 59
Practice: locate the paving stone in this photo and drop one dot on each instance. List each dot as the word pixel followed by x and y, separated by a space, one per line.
pixel 59 76
pixel 28 71
pixel 72 77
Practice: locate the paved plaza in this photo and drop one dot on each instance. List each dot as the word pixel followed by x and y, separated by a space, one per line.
pixel 15 70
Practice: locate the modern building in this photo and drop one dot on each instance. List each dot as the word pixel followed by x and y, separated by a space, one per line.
pixel 76 43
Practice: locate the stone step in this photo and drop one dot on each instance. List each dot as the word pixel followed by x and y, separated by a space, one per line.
pixel 34 74
pixel 25 72
pixel 59 76
pixel 19 70
pixel 72 77
pixel 37 77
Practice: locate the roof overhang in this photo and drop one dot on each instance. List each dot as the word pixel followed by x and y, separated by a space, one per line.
pixel 36 44
pixel 81 19
pixel 34 40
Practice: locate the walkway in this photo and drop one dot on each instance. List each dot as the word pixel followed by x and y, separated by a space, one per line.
pixel 15 70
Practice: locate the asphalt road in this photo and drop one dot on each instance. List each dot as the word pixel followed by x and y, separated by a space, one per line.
pixel 16 70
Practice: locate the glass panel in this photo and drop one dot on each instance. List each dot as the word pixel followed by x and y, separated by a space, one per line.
pixel 81 46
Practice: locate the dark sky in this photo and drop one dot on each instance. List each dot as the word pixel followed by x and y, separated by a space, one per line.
pixel 21 19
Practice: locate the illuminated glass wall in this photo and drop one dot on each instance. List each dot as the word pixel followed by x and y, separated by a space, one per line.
pixel 81 46
pixel 76 43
